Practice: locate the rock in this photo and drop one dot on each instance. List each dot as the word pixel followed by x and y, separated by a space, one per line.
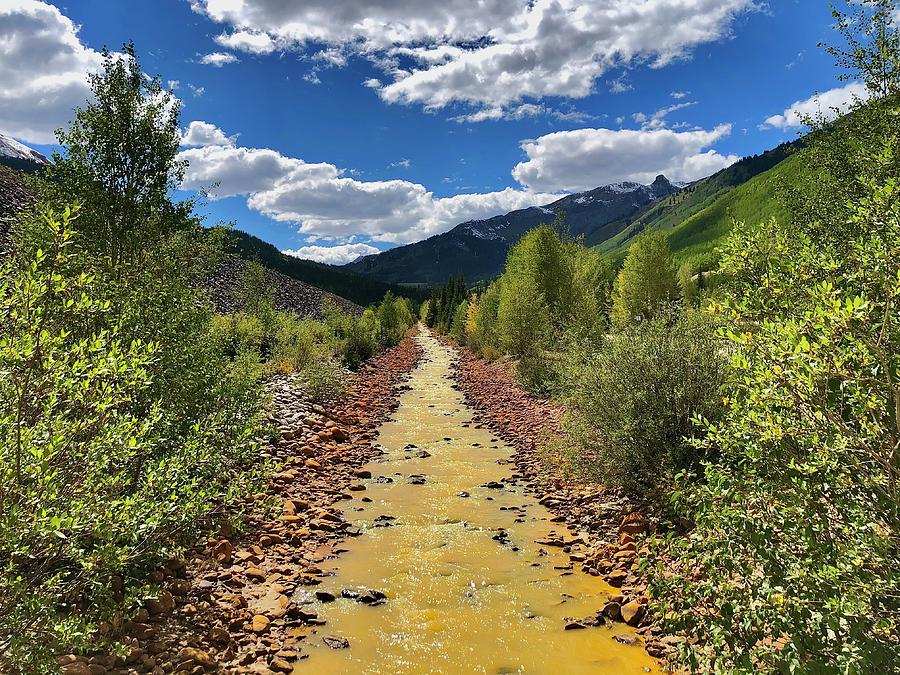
pixel 76 668
pixel 222 551
pixel 260 623
pixel 219 635
pixel 362 473
pixel 255 573
pixel 180 587
pixel 613 610
pixel 574 625
pixel 164 603
pixel 325 596
pixel 189 656
pixel 616 578
pixel 634 523
pixel 280 665
pixel 336 642
pixel 633 612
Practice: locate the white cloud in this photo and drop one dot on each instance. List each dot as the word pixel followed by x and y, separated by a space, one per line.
pixel 678 95
pixel 499 113
pixel 840 99
pixel 585 158
pixel 332 255
pixel 657 120
pixel 218 59
pixel 493 53
pixel 403 163
pixel 200 134
pixel 247 41
pixel 325 202
pixel 521 111
pixel 43 69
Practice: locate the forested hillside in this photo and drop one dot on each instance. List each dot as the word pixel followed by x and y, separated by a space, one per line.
pixel 361 289
pixel 703 211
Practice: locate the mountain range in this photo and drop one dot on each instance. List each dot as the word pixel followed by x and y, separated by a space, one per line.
pixel 694 215
pixel 477 249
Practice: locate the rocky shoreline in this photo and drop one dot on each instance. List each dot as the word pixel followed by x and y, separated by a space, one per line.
pixel 239 603
pixel 606 522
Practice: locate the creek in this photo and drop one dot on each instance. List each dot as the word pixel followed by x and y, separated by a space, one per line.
pixel 467 586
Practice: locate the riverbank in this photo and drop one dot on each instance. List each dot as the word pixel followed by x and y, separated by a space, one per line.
pixel 608 524
pixel 230 605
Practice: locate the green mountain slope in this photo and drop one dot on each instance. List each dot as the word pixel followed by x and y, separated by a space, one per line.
pixel 698 216
pixel 360 289
pixel 753 202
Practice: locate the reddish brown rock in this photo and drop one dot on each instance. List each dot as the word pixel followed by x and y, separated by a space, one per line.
pixel 260 623
pixel 633 612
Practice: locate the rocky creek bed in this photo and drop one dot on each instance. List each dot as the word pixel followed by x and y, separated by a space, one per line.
pixel 607 523
pixel 232 605
pixel 262 601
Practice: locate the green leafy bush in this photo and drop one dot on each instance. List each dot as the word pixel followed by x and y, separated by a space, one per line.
pixel 103 479
pixel 297 343
pixel 794 559
pixel 523 318
pixel 394 317
pixel 458 325
pixel 325 379
pixel 238 333
pixel 631 400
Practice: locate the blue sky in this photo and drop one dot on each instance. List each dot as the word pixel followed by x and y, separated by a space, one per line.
pixel 334 128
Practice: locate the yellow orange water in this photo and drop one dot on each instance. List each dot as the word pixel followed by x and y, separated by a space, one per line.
pixel 458 600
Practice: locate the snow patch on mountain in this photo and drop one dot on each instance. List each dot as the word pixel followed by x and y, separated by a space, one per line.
pixel 10 147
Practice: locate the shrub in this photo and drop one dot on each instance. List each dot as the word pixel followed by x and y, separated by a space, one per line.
pixel 325 380
pixel 297 342
pixel 794 556
pixel 470 325
pixel 239 333
pixel 485 331
pixel 105 472
pixel 362 341
pixel 394 317
pixel 458 325
pixel 632 399
pixel 523 318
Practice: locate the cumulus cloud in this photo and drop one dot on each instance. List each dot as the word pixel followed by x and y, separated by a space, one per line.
pixel 828 104
pixel 332 255
pixel 44 69
pixel 493 53
pixel 199 134
pixel 324 202
pixel 582 159
pixel 218 59
pixel 247 41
